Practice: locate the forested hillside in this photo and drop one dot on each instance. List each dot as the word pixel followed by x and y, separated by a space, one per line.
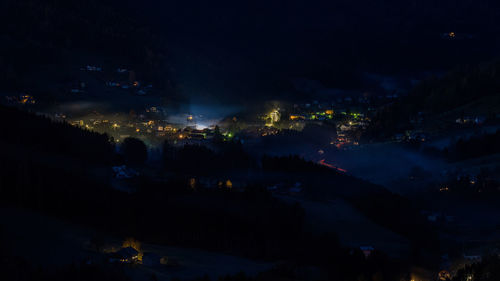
pixel 38 32
pixel 466 91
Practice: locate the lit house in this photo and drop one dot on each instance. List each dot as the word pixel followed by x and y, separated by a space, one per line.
pixel 125 255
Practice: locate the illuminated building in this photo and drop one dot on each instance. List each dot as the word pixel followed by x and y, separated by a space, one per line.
pixel 275 116
pixel 125 255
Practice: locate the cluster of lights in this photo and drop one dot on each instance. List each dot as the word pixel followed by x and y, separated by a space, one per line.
pixel 445 188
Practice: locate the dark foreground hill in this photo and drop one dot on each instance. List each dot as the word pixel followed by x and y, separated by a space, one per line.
pixel 65 171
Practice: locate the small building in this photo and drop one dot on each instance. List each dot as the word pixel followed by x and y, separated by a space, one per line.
pixel 472 257
pixel 94 68
pixel 112 84
pixel 125 255
pixel 367 250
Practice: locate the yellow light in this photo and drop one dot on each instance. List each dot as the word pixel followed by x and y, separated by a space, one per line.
pixel 229 184
pixel 295 117
pixel 274 116
pixel 444 189
pixel 137 130
pixel 133 243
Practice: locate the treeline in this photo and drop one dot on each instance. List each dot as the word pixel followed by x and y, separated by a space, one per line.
pixel 435 96
pixel 473 147
pixel 24 132
pixel 193 159
pixel 465 148
pixel 459 87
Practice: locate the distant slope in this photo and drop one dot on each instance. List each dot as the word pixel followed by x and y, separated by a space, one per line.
pixel 36 33
pixel 462 87
pixel 473 91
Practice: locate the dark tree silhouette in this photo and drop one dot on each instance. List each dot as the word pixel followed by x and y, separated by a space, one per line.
pixel 134 151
